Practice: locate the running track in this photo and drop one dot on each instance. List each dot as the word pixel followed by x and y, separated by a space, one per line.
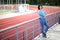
pixel 5 23
pixel 18 19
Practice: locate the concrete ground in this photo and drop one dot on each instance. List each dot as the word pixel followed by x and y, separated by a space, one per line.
pixel 52 34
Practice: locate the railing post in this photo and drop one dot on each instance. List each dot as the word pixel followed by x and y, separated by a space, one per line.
pixel 39 25
pixel 3 35
pixel 33 30
pixel 23 35
pixel 26 31
pixel 16 33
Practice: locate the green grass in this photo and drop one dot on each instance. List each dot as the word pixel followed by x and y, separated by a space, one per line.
pixel 4 11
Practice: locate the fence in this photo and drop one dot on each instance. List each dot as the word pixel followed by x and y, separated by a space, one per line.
pixel 27 30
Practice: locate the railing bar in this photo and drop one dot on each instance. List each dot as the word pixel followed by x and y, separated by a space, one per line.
pixel 26 31
pixel 39 26
pixel 33 29
pixel 16 33
pixel 23 35
pixel 2 35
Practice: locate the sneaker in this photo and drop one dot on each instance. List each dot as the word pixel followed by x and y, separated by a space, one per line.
pixel 44 35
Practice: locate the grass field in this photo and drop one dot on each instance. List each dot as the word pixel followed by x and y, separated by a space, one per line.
pixel 5 11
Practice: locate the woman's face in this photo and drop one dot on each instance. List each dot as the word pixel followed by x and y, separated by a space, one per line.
pixel 41 7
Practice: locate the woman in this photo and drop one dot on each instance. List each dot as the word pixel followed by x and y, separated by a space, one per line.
pixel 42 20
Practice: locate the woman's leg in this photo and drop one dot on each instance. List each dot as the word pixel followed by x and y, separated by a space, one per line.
pixel 47 26
pixel 42 25
pixel 42 28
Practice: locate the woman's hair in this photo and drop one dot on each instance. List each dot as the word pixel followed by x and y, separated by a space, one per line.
pixel 39 6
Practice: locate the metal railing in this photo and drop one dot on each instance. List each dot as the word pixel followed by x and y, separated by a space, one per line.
pixel 18 25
